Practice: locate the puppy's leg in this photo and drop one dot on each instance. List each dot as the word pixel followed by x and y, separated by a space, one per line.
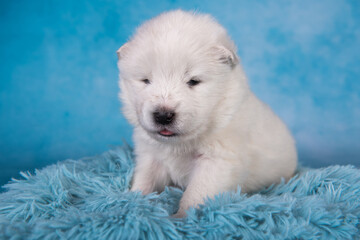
pixel 209 178
pixel 149 176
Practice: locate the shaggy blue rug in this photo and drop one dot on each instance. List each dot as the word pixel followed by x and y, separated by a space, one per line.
pixel 89 199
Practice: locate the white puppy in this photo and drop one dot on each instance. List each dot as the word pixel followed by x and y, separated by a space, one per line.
pixel 197 124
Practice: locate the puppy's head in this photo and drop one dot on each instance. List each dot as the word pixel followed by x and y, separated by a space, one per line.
pixel 180 77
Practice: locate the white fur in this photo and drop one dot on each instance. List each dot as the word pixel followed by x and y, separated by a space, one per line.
pixel 226 135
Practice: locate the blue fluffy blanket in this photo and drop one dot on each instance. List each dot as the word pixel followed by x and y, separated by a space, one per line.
pixel 89 199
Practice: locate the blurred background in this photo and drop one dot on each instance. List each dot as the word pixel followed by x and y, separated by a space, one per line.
pixel 58 74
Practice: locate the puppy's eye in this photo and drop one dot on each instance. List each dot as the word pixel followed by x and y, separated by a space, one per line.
pixel 193 82
pixel 146 81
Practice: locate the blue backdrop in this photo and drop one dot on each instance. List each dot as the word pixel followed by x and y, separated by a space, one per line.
pixel 58 75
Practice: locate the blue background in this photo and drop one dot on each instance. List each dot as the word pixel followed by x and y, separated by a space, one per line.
pixel 58 75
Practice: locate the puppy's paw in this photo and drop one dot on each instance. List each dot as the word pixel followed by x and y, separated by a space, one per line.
pixel 144 188
pixel 180 214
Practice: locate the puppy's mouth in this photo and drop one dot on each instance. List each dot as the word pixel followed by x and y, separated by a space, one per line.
pixel 166 133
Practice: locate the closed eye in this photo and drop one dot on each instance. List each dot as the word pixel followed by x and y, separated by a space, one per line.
pixel 193 82
pixel 146 81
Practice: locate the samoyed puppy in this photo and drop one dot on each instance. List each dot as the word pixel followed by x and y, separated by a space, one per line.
pixel 197 125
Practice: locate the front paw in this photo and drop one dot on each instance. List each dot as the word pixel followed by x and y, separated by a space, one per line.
pixel 180 214
pixel 143 189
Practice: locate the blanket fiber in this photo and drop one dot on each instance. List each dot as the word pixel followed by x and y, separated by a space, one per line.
pixel 90 199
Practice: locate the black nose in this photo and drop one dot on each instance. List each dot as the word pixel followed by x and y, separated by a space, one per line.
pixel 164 117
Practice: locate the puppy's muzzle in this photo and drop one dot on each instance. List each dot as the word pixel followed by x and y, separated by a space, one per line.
pixel 164 117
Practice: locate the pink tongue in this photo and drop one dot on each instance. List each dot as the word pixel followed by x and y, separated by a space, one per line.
pixel 166 132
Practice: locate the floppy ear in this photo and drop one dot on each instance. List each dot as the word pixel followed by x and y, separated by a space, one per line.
pixel 226 56
pixel 120 51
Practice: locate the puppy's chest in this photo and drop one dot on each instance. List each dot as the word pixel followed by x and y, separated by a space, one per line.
pixel 179 165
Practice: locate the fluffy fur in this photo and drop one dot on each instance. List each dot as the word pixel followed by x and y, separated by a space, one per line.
pixel 222 136
pixel 89 199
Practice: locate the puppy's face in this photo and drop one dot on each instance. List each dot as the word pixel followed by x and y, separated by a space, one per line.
pixel 175 85
pixel 175 95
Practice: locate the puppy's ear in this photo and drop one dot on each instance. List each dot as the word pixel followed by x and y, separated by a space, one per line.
pixel 121 50
pixel 226 56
